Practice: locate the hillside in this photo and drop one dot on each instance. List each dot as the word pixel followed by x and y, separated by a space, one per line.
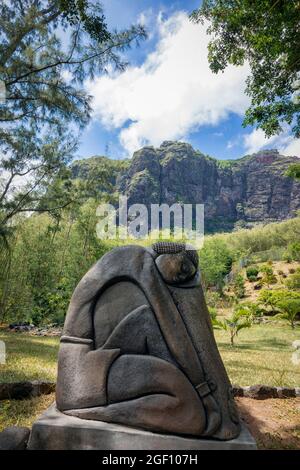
pixel 238 192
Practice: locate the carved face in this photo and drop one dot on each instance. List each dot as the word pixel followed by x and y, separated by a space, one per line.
pixel 176 268
pixel 177 263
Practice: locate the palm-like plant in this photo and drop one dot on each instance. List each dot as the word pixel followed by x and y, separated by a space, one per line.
pixel 239 319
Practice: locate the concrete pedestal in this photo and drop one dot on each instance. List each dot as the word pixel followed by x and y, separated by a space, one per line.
pixel 56 431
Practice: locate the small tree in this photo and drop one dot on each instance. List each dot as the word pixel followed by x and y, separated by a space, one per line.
pixel 290 308
pixel 234 324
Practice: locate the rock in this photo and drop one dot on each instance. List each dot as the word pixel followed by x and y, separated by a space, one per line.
pixel 14 438
pixel 20 390
pixel 260 392
pixel 237 391
pixel 57 431
pixel 284 392
pixel 21 326
pixel 15 391
pixel 49 330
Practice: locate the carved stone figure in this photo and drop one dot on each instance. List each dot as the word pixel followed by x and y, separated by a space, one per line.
pixel 138 347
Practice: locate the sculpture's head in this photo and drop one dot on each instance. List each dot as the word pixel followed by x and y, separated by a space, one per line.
pixel 177 263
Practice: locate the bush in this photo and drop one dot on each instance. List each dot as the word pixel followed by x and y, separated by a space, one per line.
pixel 212 298
pixel 268 275
pixel 239 286
pixel 215 262
pixel 287 257
pixel 293 250
pixel 293 281
pixel 252 273
pixel 213 313
pixel 252 310
pixel 274 300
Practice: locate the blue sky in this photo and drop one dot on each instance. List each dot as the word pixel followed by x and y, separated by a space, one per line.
pixel 168 91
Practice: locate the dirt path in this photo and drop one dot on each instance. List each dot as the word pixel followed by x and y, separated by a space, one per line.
pixel 274 423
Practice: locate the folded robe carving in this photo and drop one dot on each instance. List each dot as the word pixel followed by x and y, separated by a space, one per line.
pixel 138 347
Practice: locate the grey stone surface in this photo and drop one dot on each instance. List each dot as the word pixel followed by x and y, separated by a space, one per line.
pixel 56 431
pixel 14 438
pixel 138 347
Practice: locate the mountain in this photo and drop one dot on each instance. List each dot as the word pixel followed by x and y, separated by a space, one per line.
pixel 235 193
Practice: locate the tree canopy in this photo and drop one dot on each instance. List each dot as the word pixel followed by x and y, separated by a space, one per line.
pixel 266 34
pixel 47 49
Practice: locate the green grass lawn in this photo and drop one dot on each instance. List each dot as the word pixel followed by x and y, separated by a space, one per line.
pixel 262 355
pixel 28 357
pixel 23 412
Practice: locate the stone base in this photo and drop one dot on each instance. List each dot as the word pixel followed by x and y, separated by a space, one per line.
pixel 56 431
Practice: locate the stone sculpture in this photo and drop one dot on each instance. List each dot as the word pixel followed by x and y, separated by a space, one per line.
pixel 138 347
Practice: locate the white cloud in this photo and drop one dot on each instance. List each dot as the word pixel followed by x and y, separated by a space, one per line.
pixel 284 142
pixel 293 148
pixel 172 92
pixel 256 141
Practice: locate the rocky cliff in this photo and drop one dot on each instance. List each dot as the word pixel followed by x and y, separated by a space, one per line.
pixel 244 191
pixel 235 192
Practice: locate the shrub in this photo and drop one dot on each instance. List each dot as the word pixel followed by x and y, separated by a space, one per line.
pixel 215 262
pixel 274 299
pixel 268 275
pixel 239 286
pixel 252 273
pixel 252 310
pixel 293 281
pixel 293 250
pixel 212 298
pixel 213 313
pixel 287 257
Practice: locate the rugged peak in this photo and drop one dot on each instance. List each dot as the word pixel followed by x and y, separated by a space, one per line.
pixel 266 156
pixel 167 143
pixel 238 192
